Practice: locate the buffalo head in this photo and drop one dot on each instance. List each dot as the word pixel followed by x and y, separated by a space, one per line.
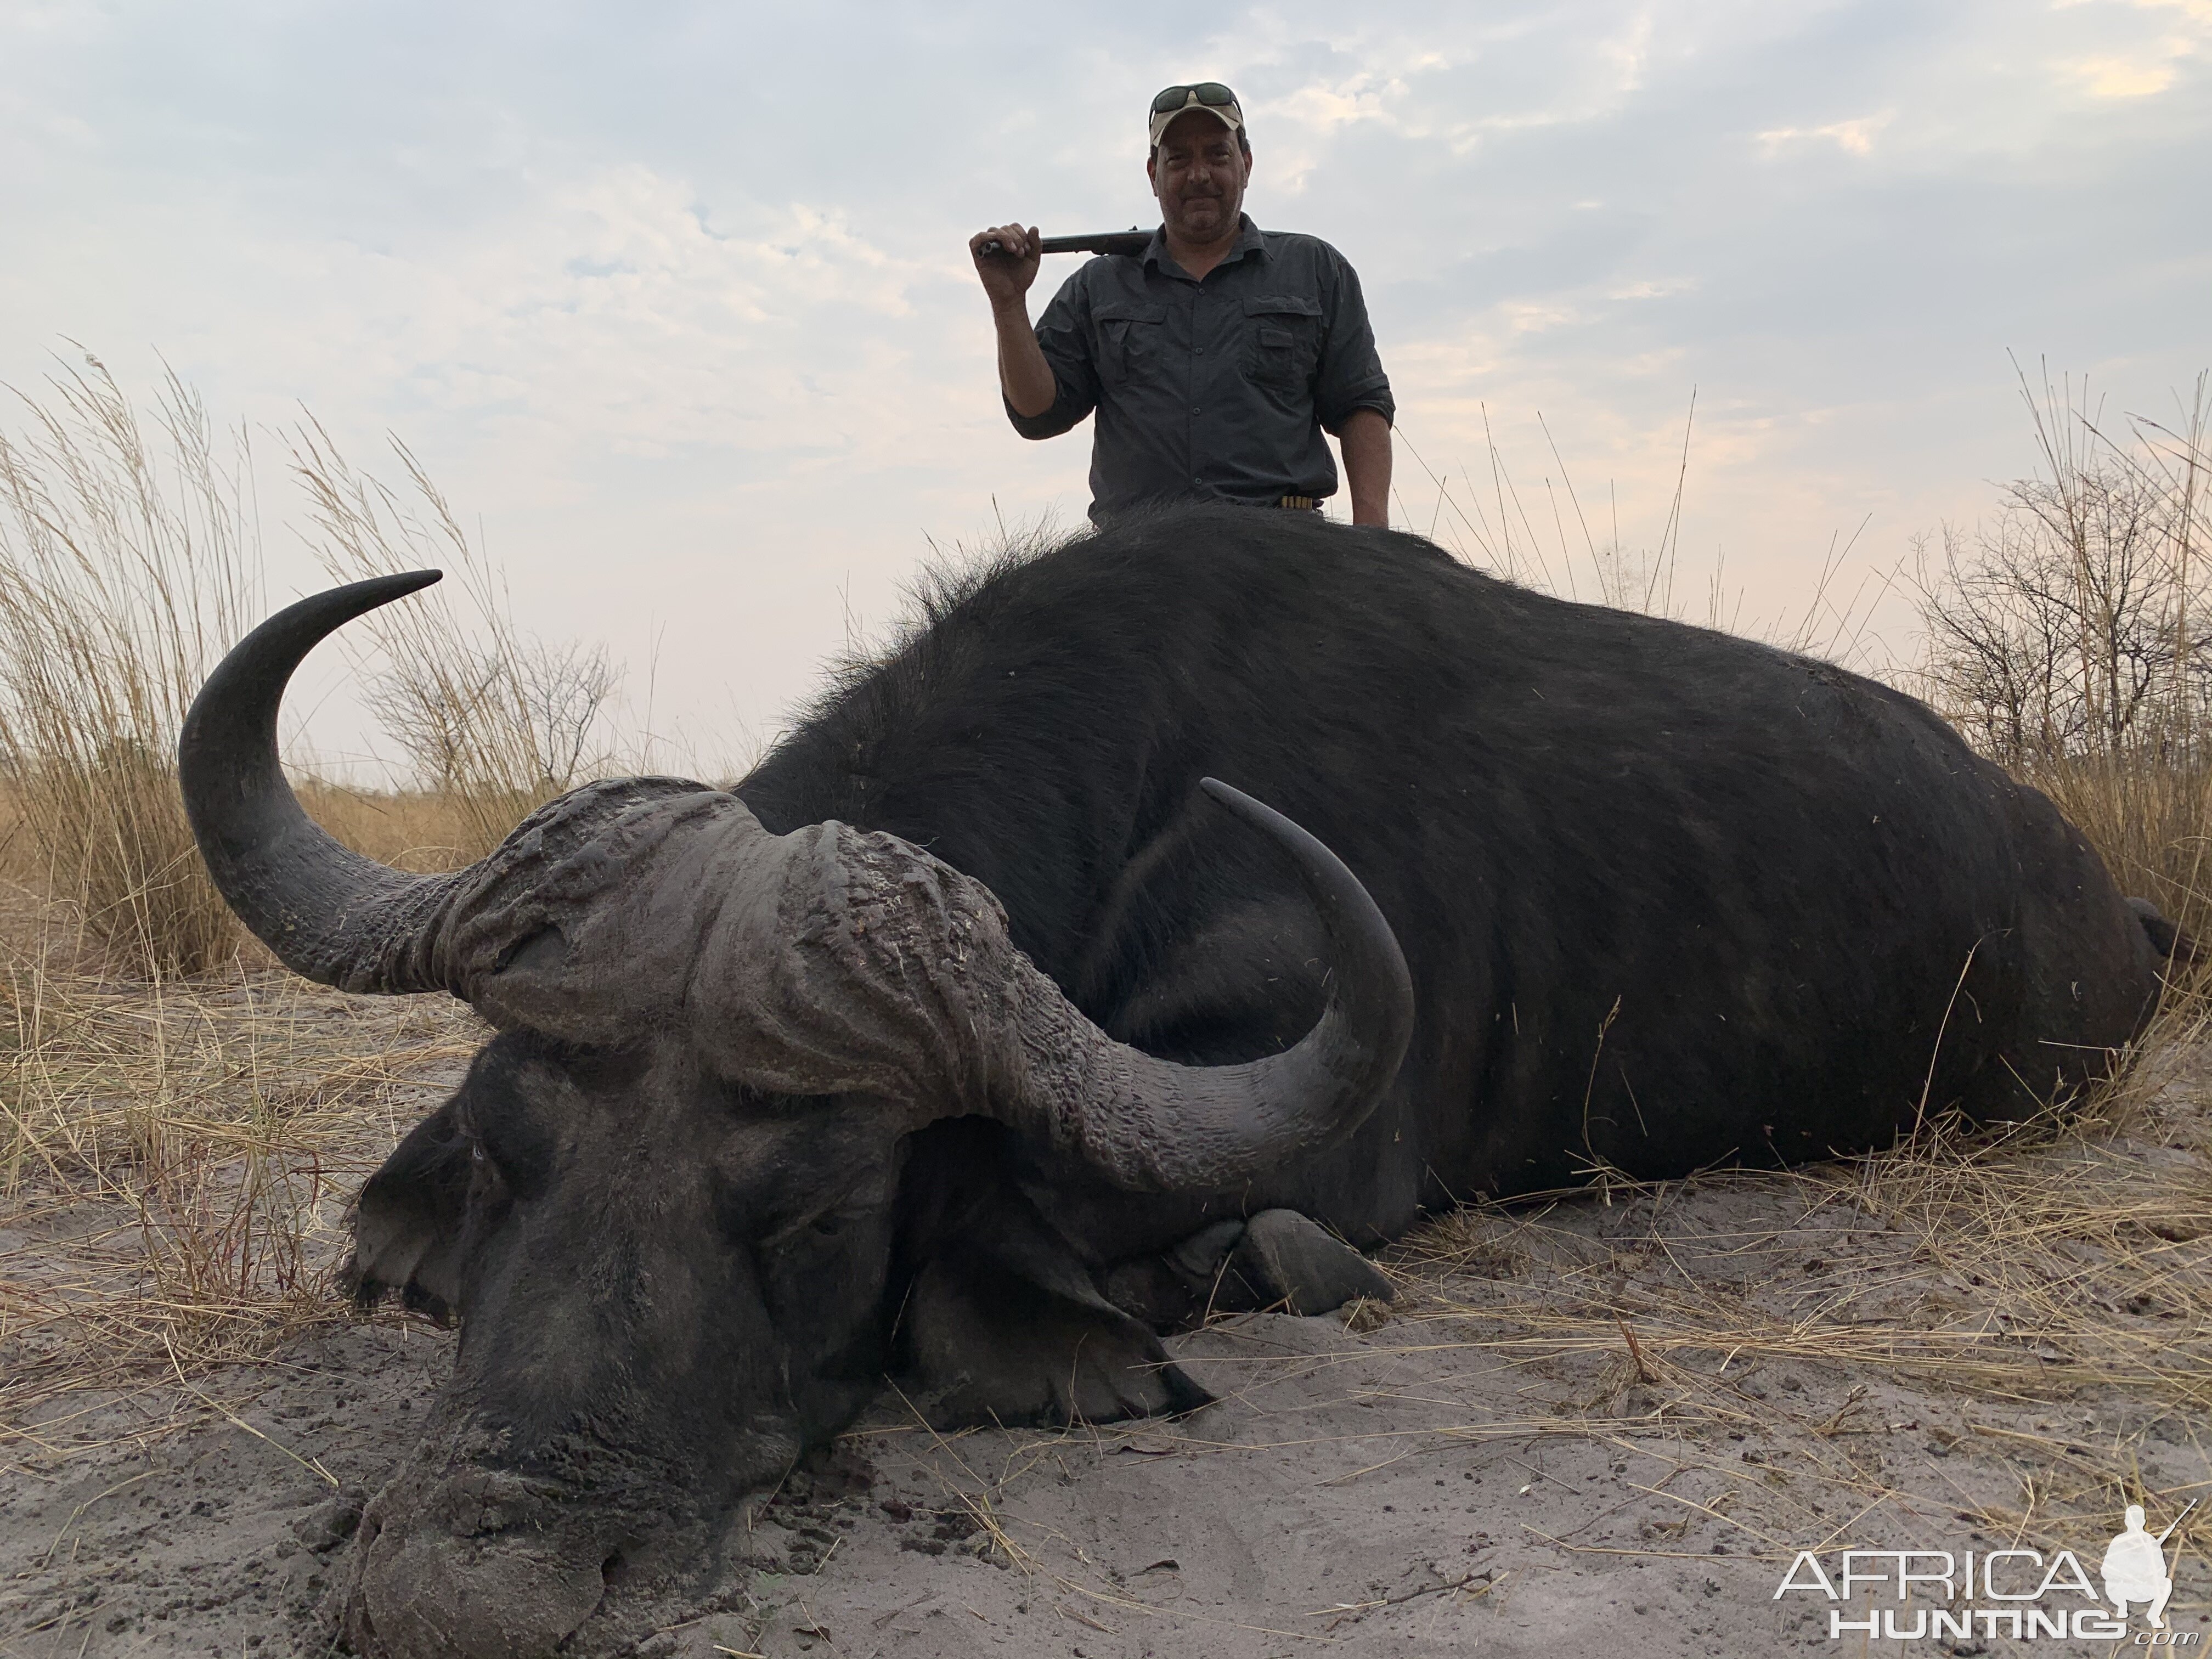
pixel 732 1145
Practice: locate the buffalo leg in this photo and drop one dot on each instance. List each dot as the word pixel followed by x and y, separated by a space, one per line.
pixel 1278 1258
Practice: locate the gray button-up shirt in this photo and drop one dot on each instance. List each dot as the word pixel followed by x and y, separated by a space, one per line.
pixel 1211 390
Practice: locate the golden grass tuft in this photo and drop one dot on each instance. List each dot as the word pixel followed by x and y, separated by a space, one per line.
pixel 125 570
pixel 2150 822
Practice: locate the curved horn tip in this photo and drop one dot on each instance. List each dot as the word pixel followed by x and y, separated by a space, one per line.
pixel 1328 879
pixel 325 910
pixel 401 583
pixel 1237 801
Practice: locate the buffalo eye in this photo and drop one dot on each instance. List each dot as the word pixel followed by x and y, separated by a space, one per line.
pixel 485 1174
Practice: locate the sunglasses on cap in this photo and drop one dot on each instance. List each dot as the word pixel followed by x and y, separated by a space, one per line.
pixel 1210 94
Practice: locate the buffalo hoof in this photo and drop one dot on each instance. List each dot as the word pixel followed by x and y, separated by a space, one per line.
pixel 1176 1288
pixel 1008 1352
pixel 1284 1257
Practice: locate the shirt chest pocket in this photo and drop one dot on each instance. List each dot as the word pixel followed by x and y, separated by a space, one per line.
pixel 1128 340
pixel 1283 331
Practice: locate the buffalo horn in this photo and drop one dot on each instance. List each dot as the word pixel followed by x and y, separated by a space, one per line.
pixel 1151 1125
pixel 328 913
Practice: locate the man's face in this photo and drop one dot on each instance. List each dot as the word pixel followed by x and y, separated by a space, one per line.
pixel 1198 173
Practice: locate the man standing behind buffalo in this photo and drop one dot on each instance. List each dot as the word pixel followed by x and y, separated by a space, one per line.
pixel 1215 359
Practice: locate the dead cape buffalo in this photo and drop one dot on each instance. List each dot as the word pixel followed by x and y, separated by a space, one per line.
pixel 960 1041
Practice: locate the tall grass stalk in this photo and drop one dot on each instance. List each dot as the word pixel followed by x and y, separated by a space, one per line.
pixel 128 562
pixel 1550 543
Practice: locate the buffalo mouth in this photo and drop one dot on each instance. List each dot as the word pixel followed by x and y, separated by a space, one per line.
pixel 471 1558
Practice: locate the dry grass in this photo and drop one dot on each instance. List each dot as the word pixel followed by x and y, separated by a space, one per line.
pixel 176 1155
pixel 129 562
pixel 2152 823
pixel 175 1160
pixel 2029 1273
pixel 126 567
pixel 418 829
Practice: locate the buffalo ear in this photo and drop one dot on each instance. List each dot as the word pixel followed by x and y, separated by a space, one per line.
pixel 1003 1324
pixel 409 1220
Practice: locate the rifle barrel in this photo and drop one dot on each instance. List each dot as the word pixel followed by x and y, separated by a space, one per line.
pixel 1131 241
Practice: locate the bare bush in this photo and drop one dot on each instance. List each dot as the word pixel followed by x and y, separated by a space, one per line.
pixel 497 720
pixel 2079 622
pixel 565 689
pixel 127 566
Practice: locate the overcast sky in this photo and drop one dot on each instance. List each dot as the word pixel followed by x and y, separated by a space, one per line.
pixel 674 299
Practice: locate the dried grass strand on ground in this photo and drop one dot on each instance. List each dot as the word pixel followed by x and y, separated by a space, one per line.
pixel 2012 1269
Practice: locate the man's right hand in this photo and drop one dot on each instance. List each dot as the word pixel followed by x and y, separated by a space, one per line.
pixel 1006 276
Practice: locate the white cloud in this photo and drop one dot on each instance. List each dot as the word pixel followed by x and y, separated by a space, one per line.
pixel 1852 137
pixel 1322 109
pixel 1648 289
pixel 2146 65
pixel 2119 77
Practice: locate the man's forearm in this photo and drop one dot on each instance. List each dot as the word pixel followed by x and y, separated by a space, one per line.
pixel 1365 440
pixel 1024 374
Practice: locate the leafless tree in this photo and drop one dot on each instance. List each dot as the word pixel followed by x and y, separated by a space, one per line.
pixel 564 689
pixel 2076 622
pixel 2061 627
pixel 549 696
pixel 436 711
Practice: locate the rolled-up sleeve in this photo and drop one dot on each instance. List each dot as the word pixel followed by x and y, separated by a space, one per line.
pixel 1064 334
pixel 1351 376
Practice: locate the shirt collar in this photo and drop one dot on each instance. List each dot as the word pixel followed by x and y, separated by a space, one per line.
pixel 1250 242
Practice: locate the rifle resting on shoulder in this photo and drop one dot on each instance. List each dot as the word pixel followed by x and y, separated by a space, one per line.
pixel 1131 241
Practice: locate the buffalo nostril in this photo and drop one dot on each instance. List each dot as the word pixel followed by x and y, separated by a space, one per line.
pixel 615 1569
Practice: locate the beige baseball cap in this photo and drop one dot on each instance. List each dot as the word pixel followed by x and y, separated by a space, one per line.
pixel 1211 96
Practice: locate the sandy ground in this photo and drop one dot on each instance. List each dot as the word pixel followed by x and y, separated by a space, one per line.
pixel 1430 1484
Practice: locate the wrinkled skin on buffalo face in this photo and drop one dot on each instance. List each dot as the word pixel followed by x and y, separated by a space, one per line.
pixel 645 1337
